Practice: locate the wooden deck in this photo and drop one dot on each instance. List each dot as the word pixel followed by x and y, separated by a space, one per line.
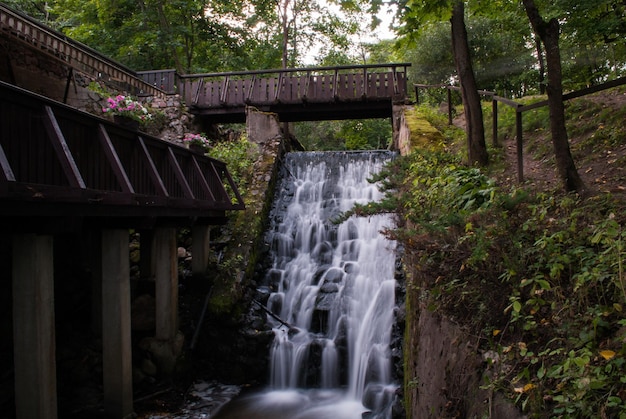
pixel 57 161
pixel 316 93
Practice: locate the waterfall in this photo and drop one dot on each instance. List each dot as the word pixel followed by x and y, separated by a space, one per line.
pixel 333 284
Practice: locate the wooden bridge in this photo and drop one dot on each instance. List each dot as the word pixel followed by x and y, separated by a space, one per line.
pixel 297 94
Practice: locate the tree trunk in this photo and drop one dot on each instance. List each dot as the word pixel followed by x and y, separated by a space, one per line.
pixel 542 67
pixel 477 149
pixel 285 30
pixel 548 32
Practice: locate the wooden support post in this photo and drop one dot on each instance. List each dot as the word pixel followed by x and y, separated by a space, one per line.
pixel 449 106
pixel 494 111
pixel 520 148
pixel 33 327
pixel 95 261
pixel 116 332
pixel 70 77
pixel 147 259
pixel 200 235
pixel 166 283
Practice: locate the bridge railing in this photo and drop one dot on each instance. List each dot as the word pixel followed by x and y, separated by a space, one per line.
pixel 295 86
pixel 165 80
pixel 51 153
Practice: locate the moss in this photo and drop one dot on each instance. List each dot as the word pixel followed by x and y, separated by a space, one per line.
pixel 423 134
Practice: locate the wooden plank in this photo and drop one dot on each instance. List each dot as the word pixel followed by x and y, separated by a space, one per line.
pixel 63 152
pixel 201 178
pixel 224 91
pixel 116 324
pixel 231 182
pixel 34 327
pixel 213 93
pixel 114 160
pixel 7 172
pixel 222 191
pixel 250 91
pixel 178 172
pixel 152 170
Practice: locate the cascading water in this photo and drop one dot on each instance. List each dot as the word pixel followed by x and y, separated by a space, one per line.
pixel 333 287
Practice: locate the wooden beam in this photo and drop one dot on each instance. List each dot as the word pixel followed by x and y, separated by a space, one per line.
pixel 62 150
pixel 33 327
pixel 114 160
pixel 166 283
pixel 200 175
pixel 178 172
pixel 116 326
pixel 6 173
pixel 152 170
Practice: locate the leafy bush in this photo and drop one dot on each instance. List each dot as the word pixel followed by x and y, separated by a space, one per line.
pixel 239 156
pixel 538 277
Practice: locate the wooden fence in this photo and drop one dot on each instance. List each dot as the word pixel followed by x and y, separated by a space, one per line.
pixel 519 110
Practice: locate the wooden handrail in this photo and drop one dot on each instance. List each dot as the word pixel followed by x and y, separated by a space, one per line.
pixel 54 154
pixel 32 32
pixel 294 70
pixel 519 109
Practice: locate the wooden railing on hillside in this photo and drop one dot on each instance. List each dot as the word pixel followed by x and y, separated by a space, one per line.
pixel 52 154
pixel 295 86
pixel 519 110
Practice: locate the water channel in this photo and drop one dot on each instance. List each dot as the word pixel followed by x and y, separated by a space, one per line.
pixel 331 288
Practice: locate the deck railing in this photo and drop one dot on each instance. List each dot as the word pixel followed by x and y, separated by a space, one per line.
pixel 51 153
pixel 295 86
pixel 25 29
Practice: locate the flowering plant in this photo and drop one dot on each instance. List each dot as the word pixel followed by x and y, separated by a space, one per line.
pixel 197 139
pixel 126 106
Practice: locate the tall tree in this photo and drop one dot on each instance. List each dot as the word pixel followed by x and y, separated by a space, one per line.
pixel 548 32
pixel 413 13
pixel 477 150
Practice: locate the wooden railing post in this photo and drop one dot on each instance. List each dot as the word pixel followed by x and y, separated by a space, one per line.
pixel 224 92
pixel 520 158
pixel 494 111
pixel 449 105
pixel 365 83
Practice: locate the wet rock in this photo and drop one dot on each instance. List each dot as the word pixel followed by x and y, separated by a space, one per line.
pixel 334 275
pixel 329 287
pixel 164 353
pixel 143 311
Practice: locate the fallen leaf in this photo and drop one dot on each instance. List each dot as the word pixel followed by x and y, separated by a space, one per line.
pixel 607 354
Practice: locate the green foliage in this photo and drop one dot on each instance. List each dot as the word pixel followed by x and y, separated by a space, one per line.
pixel 239 156
pixel 539 277
pixel 366 134
pixel 504 55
